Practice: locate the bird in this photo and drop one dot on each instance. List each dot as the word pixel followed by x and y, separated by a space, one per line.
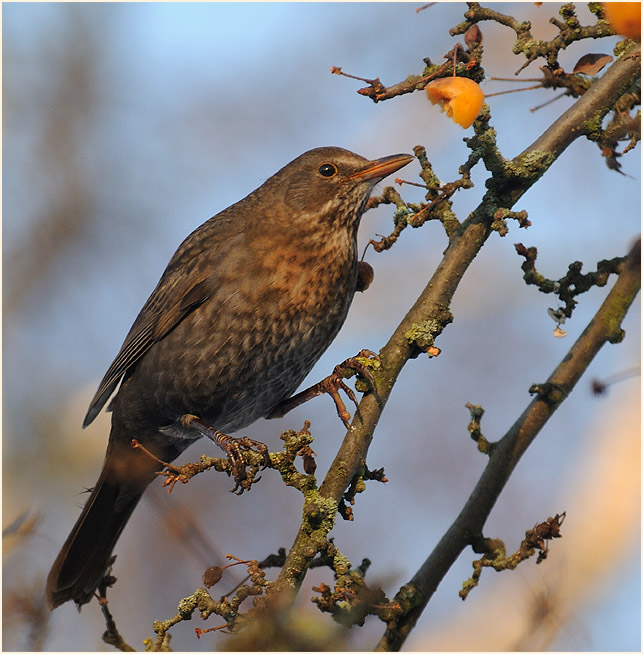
pixel 248 303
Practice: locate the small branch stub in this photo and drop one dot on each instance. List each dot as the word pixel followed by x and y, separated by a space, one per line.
pixel 475 430
pixel 536 539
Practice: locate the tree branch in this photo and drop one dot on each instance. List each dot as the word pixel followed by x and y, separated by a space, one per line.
pixel 586 116
pixel 509 181
pixel 604 327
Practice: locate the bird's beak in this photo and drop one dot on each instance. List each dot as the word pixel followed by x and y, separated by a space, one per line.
pixel 381 168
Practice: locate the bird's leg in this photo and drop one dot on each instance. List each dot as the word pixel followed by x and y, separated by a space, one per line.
pixel 230 445
pixel 332 385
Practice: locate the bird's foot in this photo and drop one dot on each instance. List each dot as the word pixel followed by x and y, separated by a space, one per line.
pixel 332 385
pixel 233 448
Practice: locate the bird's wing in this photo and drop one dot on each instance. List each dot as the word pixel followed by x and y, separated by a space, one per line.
pixel 160 314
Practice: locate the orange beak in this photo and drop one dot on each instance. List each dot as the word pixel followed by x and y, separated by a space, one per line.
pixel 381 168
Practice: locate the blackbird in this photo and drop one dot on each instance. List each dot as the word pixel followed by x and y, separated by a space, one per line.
pixel 246 306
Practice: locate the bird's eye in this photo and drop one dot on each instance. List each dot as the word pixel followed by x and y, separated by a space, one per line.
pixel 327 170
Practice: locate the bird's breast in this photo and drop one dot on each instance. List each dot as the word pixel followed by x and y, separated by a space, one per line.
pixel 250 345
pixel 309 280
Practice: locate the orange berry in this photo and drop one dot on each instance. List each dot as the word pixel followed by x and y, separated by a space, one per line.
pixel 460 97
pixel 625 18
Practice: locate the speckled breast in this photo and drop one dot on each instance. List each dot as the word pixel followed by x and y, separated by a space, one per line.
pixel 248 347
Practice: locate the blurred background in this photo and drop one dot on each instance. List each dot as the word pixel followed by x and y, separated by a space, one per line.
pixel 127 125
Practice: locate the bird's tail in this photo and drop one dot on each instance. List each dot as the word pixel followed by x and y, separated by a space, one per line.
pixel 85 556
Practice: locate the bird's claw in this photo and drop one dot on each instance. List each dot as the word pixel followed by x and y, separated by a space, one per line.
pixel 335 381
pixel 233 448
pixel 332 385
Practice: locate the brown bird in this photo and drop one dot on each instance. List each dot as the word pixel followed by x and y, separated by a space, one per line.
pixel 246 306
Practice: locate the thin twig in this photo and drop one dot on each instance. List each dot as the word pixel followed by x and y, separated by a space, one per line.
pixel 525 88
